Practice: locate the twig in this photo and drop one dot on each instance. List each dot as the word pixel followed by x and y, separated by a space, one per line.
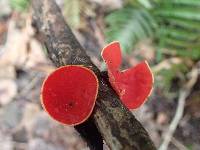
pixel 178 144
pixel 184 92
pixel 167 64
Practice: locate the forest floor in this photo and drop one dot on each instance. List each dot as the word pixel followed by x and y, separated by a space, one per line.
pixel 23 66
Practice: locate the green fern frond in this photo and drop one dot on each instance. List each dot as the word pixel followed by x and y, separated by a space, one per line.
pixel 194 53
pixel 129 25
pixel 183 13
pixel 177 44
pixel 194 3
pixel 189 25
pixel 180 34
pixel 175 24
pixel 179 22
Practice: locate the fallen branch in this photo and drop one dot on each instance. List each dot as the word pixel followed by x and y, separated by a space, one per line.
pixel 184 92
pixel 118 127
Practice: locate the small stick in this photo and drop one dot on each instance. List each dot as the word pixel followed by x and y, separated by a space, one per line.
pixel 183 94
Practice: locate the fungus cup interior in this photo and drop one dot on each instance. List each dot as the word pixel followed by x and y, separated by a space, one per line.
pixel 133 85
pixel 69 93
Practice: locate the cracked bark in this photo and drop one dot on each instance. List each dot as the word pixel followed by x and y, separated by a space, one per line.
pixel 118 127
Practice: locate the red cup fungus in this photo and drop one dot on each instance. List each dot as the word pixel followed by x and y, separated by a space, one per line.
pixel 133 85
pixel 69 93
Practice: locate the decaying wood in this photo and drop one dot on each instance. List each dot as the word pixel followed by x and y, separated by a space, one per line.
pixel 118 127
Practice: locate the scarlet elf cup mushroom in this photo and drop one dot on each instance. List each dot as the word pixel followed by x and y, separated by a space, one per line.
pixel 133 85
pixel 69 93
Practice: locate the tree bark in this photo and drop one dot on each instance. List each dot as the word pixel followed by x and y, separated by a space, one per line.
pixel 118 127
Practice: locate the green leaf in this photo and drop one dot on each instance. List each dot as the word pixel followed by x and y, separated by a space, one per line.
pixel 194 53
pixel 129 25
pixel 145 3
pixel 179 22
pixel 183 13
pixel 180 44
pixel 193 3
pixel 190 25
pixel 174 24
pixel 180 34
pixel 20 5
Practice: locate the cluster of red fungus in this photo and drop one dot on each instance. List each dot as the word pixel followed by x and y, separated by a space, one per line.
pixel 69 93
pixel 133 85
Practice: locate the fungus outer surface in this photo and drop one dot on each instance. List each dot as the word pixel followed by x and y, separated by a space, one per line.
pixel 133 85
pixel 69 93
pixel 112 55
